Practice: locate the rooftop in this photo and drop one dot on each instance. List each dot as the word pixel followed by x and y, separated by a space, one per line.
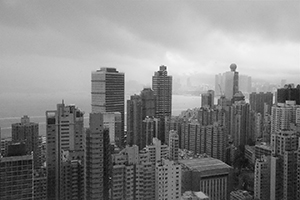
pixel 206 166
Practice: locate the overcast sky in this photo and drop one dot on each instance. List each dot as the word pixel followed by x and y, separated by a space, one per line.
pixel 48 46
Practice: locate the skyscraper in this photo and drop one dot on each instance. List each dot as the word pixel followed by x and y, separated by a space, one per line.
pixel 97 159
pixel 228 82
pixel 108 94
pixel 134 121
pixel 28 133
pixel 148 103
pixel 64 144
pixel 162 87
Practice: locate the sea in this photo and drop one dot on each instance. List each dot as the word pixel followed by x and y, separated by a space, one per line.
pixel 35 106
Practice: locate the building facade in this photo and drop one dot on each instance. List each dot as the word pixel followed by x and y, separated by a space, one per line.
pixel 108 95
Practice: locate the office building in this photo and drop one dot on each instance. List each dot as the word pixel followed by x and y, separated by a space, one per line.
pixel 241 123
pixel 97 159
pixel 16 174
pixel 209 175
pixel 64 143
pixel 228 83
pixel 148 103
pixel 108 95
pixel 167 180
pixel 245 83
pixel 262 179
pixel 132 175
pixel 28 133
pixel 162 88
pixel 134 121
pixel 207 99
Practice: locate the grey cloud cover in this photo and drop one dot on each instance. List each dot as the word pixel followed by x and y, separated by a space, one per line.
pixel 45 40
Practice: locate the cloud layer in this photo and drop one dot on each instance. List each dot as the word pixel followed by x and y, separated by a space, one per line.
pixel 54 45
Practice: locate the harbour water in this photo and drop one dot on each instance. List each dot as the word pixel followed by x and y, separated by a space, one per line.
pixel 35 108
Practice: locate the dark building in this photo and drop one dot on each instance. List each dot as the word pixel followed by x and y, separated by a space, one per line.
pixel 258 100
pixel 162 87
pixel 207 99
pixel 139 107
pixel 97 169
pixel 148 103
pixel 108 94
pixel 27 132
pixel 134 120
pixel 288 93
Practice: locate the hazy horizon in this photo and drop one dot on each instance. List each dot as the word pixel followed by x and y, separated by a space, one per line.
pixel 49 48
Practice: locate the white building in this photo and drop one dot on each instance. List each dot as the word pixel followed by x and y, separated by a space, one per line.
pixel 167 180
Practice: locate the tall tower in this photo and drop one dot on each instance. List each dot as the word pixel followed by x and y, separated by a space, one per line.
pixel 28 133
pixel 97 160
pixel 134 121
pixel 108 94
pixel 230 82
pixel 162 87
pixel 64 144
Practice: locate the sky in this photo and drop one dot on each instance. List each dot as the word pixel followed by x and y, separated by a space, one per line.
pixel 51 47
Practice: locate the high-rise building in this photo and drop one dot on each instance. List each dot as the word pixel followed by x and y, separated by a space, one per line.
pixel 16 175
pixel 167 180
pixel 290 93
pixel 262 179
pixel 28 133
pixel 113 122
pixel 207 99
pixel 132 175
pixel 162 88
pixel 258 100
pixel 134 121
pixel 245 83
pixel 150 130
pixel 208 175
pixel 64 144
pixel 108 95
pixel 284 145
pixel 157 151
pixel 173 145
pixel 173 123
pixel 228 83
pixel 148 103
pixel 97 159
pixel 241 123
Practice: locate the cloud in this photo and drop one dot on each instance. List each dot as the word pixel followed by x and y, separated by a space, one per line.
pixel 190 37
